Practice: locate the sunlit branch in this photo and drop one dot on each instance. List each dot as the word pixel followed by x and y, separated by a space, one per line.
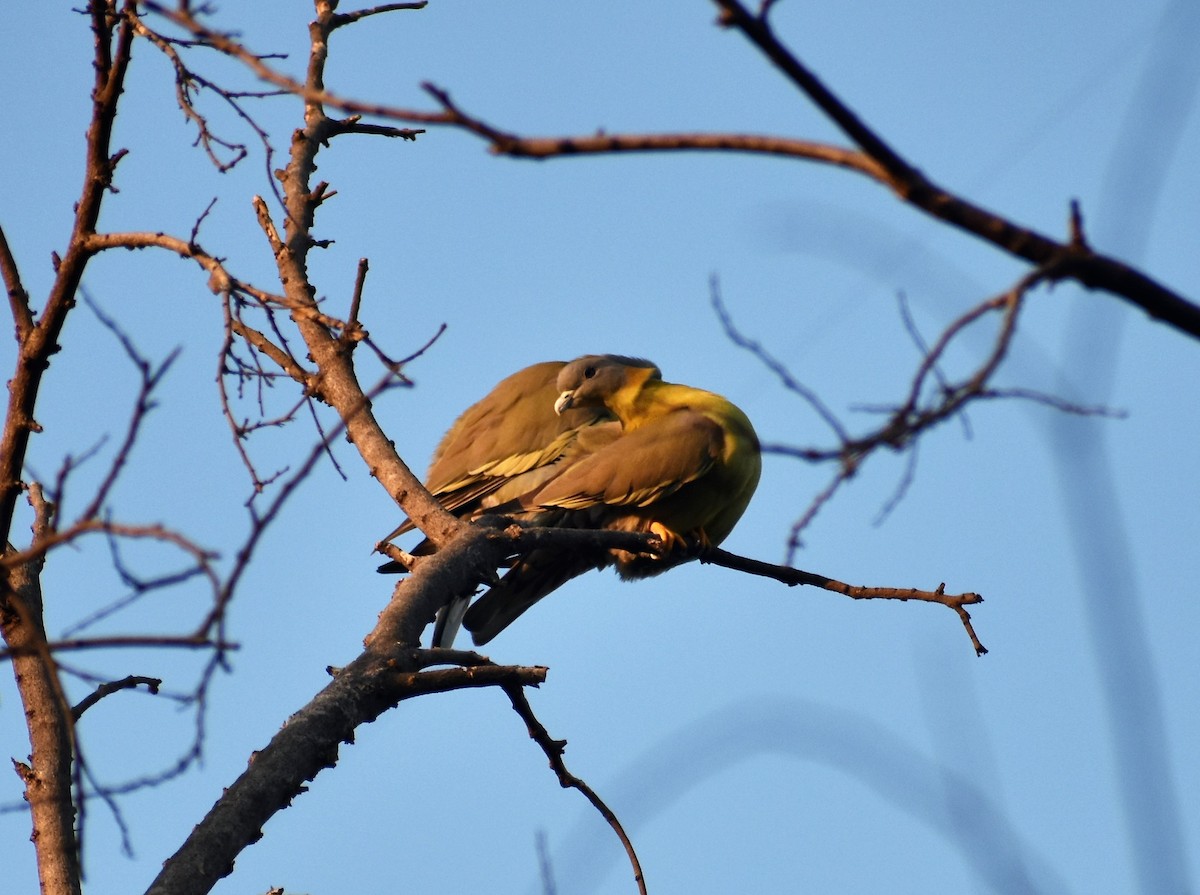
pixel 18 298
pixel 183 18
pixel 341 19
pixel 792 577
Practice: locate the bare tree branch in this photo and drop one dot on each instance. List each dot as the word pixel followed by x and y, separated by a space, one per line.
pixel 791 577
pixel 18 298
pixel 150 378
pixel 1077 260
pixel 312 91
pixel 48 775
pixel 126 683
pixel 349 18
pixel 554 750
pixel 919 411
pixel 41 340
pixel 522 538
pixel 339 383
pixel 130 640
pixel 384 674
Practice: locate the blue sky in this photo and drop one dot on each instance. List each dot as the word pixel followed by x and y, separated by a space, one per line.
pixel 754 738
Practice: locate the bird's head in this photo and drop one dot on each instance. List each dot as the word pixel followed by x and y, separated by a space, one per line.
pixel 597 380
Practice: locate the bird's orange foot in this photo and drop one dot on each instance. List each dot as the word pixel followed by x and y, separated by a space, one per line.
pixel 690 545
pixel 670 540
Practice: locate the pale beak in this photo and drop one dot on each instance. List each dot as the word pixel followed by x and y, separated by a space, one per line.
pixel 564 402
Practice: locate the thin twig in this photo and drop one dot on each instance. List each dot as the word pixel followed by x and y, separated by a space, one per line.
pixel 553 750
pixel 18 298
pixel 150 378
pixel 349 18
pixel 792 577
pixel 781 372
pixel 126 683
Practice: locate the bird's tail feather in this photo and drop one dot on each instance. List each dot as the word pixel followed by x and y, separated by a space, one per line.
pixel 523 585
pixel 449 620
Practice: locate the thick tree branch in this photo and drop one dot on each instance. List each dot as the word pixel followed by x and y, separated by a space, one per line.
pixel 48 778
pixel 384 674
pixel 876 159
pixel 49 774
pixel 339 382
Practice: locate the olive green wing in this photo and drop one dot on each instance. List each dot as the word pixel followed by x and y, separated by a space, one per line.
pixel 504 446
pixel 640 468
pixel 635 470
pixel 501 447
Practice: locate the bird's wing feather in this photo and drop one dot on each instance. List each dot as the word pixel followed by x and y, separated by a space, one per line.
pixel 498 447
pixel 509 431
pixel 640 467
pixel 534 576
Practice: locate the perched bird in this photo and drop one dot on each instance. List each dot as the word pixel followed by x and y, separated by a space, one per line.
pixel 683 467
pixel 502 448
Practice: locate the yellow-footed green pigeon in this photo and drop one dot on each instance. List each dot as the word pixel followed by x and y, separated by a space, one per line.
pixel 685 465
pixel 502 448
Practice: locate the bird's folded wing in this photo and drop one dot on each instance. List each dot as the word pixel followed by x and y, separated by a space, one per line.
pixel 499 445
pixel 638 468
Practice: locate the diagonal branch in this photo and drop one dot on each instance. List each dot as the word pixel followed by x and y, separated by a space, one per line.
pixel 1089 268
pixel 383 674
pixel 340 387
pixel 18 298
pixel 875 157
pixel 554 750
pixel 756 28
pixel 150 377
pixel 41 340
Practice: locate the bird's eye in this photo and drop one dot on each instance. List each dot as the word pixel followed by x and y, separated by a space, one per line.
pixel 589 372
